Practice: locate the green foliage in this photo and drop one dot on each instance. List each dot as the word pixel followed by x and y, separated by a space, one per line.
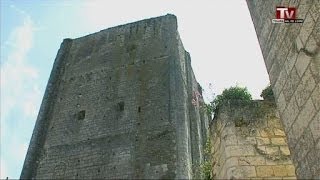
pixel 267 94
pixel 232 93
pixel 206 169
pixel 209 109
pixel 206 166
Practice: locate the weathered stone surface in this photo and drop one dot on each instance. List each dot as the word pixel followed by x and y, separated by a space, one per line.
pixel 261 150
pixel 291 84
pixel 262 141
pixel 290 114
pixel 279 132
pixel 119 105
pixel 239 172
pixel 264 171
pixel 315 96
pixel 278 141
pixel 302 65
pixel 305 116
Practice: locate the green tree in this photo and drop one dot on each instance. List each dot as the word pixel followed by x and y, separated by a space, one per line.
pixel 232 93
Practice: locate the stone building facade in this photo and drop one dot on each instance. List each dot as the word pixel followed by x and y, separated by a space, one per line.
pixel 292 56
pixel 120 103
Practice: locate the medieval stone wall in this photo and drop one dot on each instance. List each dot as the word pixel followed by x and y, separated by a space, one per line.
pixel 248 142
pixel 119 105
pixel 292 56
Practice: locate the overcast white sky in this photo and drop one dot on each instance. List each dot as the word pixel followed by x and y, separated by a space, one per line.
pixel 218 34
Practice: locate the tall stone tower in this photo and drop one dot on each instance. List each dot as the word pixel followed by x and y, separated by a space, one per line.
pixel 120 103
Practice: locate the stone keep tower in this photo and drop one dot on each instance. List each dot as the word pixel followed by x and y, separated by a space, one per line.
pixel 120 103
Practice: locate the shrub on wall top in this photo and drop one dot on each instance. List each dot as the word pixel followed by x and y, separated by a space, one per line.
pixel 267 94
pixel 231 94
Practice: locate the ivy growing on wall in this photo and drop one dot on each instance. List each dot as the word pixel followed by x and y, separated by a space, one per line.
pixel 206 165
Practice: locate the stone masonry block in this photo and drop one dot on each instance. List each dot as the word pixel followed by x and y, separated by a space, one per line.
pixel 314 11
pixel 304 7
pixel 312 44
pixel 290 114
pixel 290 170
pixel 270 58
pixel 264 171
pixel 306 29
pixel 313 159
pixel 274 72
pixel 305 116
pixel 231 140
pixel 240 172
pixel 303 170
pixel 305 88
pixel 280 170
pixel 298 44
pixel 228 131
pixel 283 51
pixel 303 146
pixel 291 139
pixel 252 160
pixel 291 84
pixel 291 59
pixel 271 150
pixel 302 63
pixel 246 140
pixel 239 151
pixel 281 35
pixel 262 141
pixel 285 150
pixel 265 30
pixel 280 83
pixel 278 141
pixel 315 126
pixel 315 96
pixel 315 66
pixel 279 132
pixel 266 132
pixel 231 161
pixel 274 122
pixel 281 101
pixel 316 33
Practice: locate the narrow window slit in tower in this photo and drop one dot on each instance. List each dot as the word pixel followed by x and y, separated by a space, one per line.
pixel 121 106
pixel 81 115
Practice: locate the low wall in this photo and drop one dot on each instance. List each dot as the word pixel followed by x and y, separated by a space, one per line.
pixel 248 141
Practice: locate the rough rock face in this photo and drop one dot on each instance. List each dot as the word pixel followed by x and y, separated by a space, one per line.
pixel 120 103
pixel 292 56
pixel 248 141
